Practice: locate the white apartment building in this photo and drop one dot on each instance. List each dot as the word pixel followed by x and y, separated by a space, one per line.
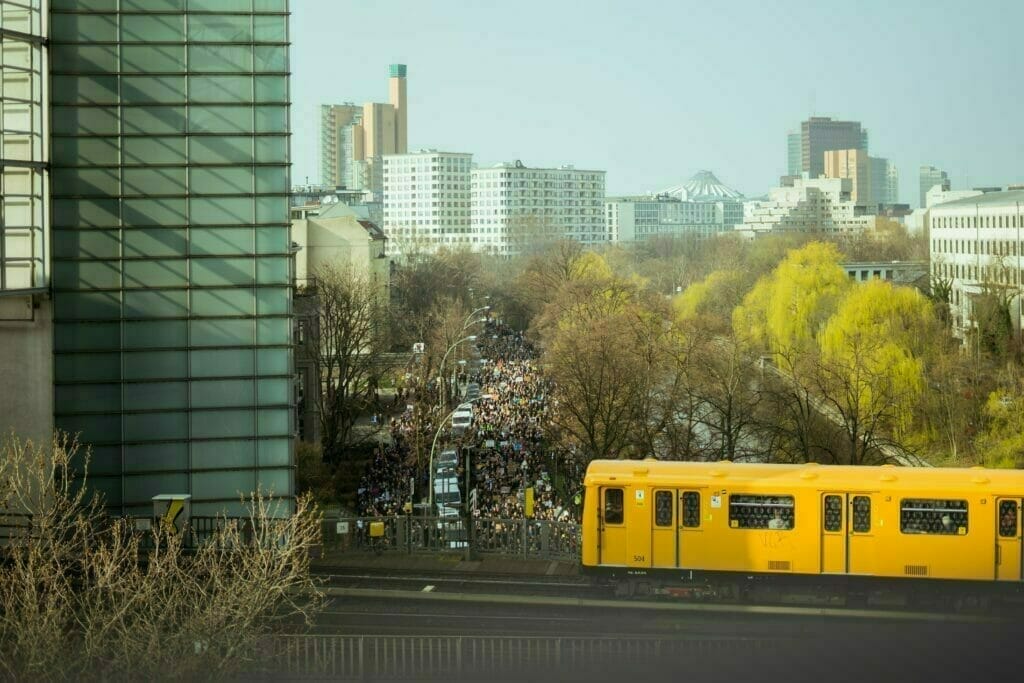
pixel 427 200
pixel 512 202
pixel 639 218
pixel 809 205
pixel 976 243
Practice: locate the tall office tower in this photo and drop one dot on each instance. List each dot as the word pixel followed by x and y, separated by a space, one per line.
pixel 26 330
pixel 821 134
pixel 852 164
pixel 793 158
pixel 171 248
pixel 929 178
pixel 884 181
pixel 514 204
pixel 337 146
pixel 426 200
pixel 354 139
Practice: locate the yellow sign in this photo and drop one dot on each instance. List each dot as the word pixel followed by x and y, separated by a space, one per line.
pixel 528 502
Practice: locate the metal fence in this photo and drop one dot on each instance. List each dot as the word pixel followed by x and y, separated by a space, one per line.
pixel 348 657
pixel 526 538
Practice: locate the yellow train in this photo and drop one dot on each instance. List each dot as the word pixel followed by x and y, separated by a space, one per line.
pixel 689 519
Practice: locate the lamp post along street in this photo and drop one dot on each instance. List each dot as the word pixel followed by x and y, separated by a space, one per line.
pixel 441 375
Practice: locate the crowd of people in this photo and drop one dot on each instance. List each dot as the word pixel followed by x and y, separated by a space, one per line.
pixel 509 441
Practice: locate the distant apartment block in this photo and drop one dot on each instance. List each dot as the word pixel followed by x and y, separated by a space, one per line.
pixel 819 205
pixel 426 200
pixel 513 204
pixel 701 207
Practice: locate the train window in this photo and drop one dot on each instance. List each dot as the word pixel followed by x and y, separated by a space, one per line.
pixel 761 512
pixel 663 508
pixel 1007 518
pixel 613 506
pixel 861 514
pixel 833 513
pixel 691 509
pixel 933 516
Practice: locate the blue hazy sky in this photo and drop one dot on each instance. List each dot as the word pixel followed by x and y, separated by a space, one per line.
pixel 653 91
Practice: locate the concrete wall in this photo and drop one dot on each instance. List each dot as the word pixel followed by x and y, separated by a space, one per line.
pixel 26 367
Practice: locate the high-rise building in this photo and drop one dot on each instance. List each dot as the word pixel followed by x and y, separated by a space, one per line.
pixel 514 204
pixel 929 178
pixel 353 139
pixel 852 164
pixel 426 200
pixel 794 163
pixel 166 217
pixel 821 134
pixel 884 181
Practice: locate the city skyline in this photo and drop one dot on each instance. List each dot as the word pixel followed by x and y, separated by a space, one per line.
pixel 521 93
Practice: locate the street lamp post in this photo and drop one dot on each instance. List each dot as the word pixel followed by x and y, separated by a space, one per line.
pixel 440 374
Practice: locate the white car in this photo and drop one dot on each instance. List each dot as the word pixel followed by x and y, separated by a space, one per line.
pixel 461 421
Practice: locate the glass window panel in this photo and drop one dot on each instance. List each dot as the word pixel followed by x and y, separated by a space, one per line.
pixel 85 213
pixel 663 508
pixel 102 460
pixel 164 211
pixel 270 58
pixel 221 332
pixel 86 336
pixel 271 119
pixel 84 28
pixel 82 5
pixel 271 179
pixel 613 506
pixel 274 481
pixel 274 453
pixel 220 89
pixel 152 28
pixel 86 181
pixel 152 5
pixel 155 273
pixel 151 59
pixel 271 149
pixel 220 5
pixel 87 305
pixel 154 120
pixel 224 393
pixel 214 272
pixel 93 151
pixel 861 514
pixel 157 304
pixel 83 58
pixel 933 516
pixel 227 485
pixel 95 244
pixel 222 211
pixel 222 423
pixel 273 331
pixel 272 210
pixel 274 361
pixel 271 5
pixel 86 275
pixel 156 395
pixel 156 426
pixel 270 29
pixel 156 456
pixel 222 302
pixel 138 488
pixel 87 367
pixel 833 517
pixel 84 120
pixel 152 89
pixel 761 512
pixel 155 334
pixel 272 270
pixel 273 421
pixel 691 509
pixel 154 181
pixel 227 363
pixel 272 301
pixel 222 241
pixel 274 391
pixel 221 180
pixel 92 429
pixel 155 364
pixel 271 88
pixel 84 90
pixel 213 119
pixel 220 150
pixel 223 454
pixel 271 240
pixel 87 398
pixel 220 28
pixel 220 58
pixel 151 150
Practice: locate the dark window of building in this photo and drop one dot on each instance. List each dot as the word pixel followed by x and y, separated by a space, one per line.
pixel 933 516
pixel 691 509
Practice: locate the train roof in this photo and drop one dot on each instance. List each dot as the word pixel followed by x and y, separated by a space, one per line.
pixel 868 477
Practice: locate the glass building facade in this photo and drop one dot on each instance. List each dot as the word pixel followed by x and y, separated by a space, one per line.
pixel 171 246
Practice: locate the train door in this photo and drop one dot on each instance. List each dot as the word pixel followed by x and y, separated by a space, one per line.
pixel 1008 540
pixel 834 548
pixel 663 530
pixel 611 526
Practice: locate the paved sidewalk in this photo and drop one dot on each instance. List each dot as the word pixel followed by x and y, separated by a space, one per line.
pixel 442 562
